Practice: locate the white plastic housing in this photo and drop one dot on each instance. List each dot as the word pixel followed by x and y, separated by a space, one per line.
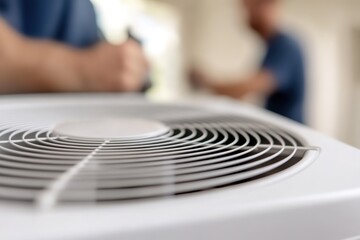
pixel 318 200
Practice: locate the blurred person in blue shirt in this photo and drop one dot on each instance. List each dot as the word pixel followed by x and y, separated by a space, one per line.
pixel 55 46
pixel 281 77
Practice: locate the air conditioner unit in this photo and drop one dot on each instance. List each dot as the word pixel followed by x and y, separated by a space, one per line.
pixel 119 167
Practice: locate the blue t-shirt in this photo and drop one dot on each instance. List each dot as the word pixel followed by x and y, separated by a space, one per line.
pixel 69 21
pixel 284 59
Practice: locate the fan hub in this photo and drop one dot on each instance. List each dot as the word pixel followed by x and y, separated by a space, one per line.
pixel 111 128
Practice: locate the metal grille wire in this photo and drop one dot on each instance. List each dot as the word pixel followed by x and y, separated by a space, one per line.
pixel 200 152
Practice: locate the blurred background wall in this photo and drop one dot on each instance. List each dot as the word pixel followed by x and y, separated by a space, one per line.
pixel 211 35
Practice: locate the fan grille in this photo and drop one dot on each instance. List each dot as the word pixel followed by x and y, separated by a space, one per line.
pixel 201 151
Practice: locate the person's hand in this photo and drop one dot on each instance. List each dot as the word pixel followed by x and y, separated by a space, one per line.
pixel 33 65
pixel 109 67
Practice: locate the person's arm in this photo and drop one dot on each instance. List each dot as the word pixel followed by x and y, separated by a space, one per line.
pixel 275 74
pixel 33 66
pixel 262 82
pixel 28 65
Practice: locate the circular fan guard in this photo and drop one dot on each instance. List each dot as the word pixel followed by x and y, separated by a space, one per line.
pixel 201 151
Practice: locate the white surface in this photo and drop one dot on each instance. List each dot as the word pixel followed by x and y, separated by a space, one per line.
pixel 111 128
pixel 317 200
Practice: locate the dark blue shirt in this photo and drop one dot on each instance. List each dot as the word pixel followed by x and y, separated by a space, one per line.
pixel 284 59
pixel 69 21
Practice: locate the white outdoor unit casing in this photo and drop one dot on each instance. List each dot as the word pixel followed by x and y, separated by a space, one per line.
pixel 205 169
